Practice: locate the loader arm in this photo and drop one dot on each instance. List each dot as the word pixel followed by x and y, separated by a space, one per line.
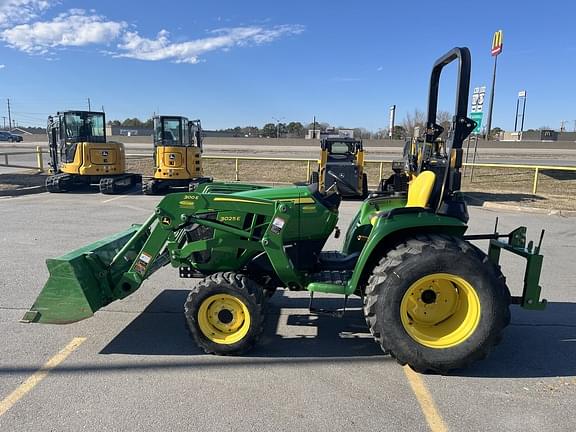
pixel 90 278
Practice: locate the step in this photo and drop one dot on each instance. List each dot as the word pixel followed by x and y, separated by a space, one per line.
pixel 330 281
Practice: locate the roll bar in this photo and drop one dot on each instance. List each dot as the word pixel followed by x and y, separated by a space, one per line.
pixel 462 126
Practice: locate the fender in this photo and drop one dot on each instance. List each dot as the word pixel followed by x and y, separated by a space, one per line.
pixel 391 227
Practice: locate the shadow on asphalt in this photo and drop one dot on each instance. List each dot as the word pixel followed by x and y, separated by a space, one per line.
pixel 479 198
pixel 161 330
pixel 535 345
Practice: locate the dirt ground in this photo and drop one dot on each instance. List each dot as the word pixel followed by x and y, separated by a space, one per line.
pixel 22 182
pixel 556 189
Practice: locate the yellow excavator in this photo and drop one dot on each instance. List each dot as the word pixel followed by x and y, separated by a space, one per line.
pixel 177 155
pixel 80 156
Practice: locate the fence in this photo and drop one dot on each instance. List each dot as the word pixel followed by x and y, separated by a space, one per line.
pixel 39 159
pixel 537 169
pixel 310 163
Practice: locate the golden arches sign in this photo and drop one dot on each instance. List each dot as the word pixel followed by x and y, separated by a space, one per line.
pixel 497 42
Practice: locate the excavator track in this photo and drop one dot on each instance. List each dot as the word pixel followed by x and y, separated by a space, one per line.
pixel 59 183
pixel 119 184
pixel 149 187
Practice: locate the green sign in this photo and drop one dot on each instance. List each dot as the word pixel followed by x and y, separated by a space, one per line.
pixel 477 117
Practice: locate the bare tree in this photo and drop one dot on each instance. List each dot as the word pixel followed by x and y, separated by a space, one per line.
pixel 417 119
pixel 444 119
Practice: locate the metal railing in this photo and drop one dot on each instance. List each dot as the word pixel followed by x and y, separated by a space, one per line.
pixel 237 159
pixel 39 159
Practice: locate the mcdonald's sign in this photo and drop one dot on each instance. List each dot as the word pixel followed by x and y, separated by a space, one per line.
pixel 497 43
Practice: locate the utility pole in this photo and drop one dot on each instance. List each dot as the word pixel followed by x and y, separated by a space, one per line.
pixel 89 105
pixel 278 126
pixel 9 116
pixel 314 128
pixel 496 50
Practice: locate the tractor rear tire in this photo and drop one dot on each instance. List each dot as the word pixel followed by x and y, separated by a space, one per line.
pixel 225 313
pixel 436 303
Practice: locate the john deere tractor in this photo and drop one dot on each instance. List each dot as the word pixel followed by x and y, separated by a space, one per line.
pixel 177 155
pixel 432 299
pixel 80 156
pixel 341 166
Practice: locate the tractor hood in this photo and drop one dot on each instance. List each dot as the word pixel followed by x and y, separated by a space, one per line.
pixel 278 194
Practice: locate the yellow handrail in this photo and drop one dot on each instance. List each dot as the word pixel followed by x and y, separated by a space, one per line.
pixel 237 159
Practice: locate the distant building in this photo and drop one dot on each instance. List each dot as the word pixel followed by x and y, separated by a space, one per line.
pixel 127 131
pixel 538 135
pixel 329 133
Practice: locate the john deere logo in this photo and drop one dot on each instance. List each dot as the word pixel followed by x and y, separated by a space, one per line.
pixel 172 156
pixel 104 153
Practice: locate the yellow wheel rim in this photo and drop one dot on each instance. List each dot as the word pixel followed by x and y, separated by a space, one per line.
pixel 224 319
pixel 440 310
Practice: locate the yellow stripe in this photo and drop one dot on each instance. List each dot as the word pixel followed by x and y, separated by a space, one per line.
pixel 297 200
pixel 239 200
pixel 425 400
pixel 39 375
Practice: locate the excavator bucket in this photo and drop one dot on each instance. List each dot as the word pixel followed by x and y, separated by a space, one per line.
pixel 82 281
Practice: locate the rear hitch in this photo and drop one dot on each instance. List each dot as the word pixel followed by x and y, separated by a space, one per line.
pixel 516 244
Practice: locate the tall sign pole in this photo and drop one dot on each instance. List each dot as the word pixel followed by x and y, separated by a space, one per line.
pixel 521 98
pixel 496 50
pixel 391 121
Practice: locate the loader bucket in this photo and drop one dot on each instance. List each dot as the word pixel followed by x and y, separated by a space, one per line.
pixel 82 281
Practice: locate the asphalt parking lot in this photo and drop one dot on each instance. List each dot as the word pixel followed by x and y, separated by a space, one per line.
pixel 134 367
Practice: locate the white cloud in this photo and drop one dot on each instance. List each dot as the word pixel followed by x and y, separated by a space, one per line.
pixel 21 28
pixel 2 66
pixel 73 28
pixel 21 11
pixel 161 48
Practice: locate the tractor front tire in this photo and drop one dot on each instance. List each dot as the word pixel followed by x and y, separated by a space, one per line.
pixel 436 303
pixel 225 313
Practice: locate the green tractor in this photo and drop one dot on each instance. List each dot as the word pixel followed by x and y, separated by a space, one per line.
pixel 431 298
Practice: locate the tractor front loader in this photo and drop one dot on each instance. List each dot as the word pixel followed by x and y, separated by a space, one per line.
pixel 432 299
pixel 80 156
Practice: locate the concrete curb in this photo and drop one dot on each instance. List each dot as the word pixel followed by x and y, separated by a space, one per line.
pixel 534 210
pixel 518 208
pixel 9 193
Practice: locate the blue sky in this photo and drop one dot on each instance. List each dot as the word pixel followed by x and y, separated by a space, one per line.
pixel 244 63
